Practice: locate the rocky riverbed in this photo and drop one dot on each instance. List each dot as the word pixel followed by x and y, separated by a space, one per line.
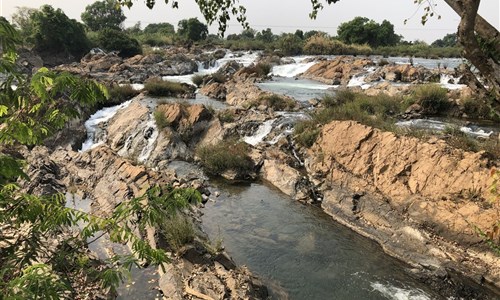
pixel 420 200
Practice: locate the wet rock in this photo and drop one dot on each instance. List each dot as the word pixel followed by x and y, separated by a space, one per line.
pixel 224 259
pixel 337 71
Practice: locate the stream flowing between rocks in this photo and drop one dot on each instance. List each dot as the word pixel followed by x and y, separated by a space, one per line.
pixel 297 250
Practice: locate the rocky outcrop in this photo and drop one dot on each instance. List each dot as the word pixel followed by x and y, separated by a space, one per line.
pixel 420 200
pixel 407 73
pixel 337 71
pixel 194 272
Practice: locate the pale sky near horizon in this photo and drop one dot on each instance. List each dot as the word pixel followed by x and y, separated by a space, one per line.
pixel 272 14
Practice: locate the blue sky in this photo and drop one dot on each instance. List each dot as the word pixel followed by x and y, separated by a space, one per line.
pixel 287 18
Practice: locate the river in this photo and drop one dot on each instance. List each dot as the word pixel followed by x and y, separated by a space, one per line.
pixel 300 252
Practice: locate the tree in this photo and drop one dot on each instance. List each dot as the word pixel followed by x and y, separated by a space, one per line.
pixel 115 40
pixel 449 40
pixel 266 35
pixel 23 22
pixel 32 266
pixel 103 14
pixel 290 44
pixel 55 33
pixel 192 29
pixel 364 31
pixel 161 28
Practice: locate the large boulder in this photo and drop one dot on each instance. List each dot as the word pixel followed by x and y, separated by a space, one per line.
pixel 337 71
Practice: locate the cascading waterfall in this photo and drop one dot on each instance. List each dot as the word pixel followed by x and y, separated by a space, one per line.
pixel 97 118
pixel 246 59
pixel 260 134
pixel 294 69
pixel 150 134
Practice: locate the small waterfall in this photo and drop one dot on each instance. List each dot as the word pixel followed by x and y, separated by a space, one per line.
pixel 260 134
pixel 476 132
pixel 396 293
pixel 245 59
pixel 150 134
pixel 450 82
pixel 359 80
pixel 292 70
pixel 97 118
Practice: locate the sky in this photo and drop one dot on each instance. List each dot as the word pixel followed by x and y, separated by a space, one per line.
pixel 281 17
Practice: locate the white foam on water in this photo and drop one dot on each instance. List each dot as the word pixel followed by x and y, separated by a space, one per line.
pixel 100 116
pixel 153 135
pixel 260 134
pixel 450 82
pixel 396 293
pixel 423 124
pixel 245 59
pixel 135 86
pixel 291 70
pixel 480 133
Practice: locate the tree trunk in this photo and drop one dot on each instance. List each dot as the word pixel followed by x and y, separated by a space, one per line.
pixel 489 69
pixel 482 27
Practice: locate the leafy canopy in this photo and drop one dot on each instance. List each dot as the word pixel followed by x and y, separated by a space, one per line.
pixel 103 14
pixel 43 243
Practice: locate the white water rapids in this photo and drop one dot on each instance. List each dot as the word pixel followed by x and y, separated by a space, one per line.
pixel 99 117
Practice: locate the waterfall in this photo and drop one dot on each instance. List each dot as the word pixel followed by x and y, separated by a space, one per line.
pixel 260 134
pixel 150 134
pixel 97 118
pixel 292 70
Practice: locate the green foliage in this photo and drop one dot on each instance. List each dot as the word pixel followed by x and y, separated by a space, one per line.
pixel 41 249
pixel 319 45
pixel 178 231
pixel 157 87
pixel 160 120
pixel 120 93
pixel 364 31
pixel 290 44
pixel 197 79
pixel 449 40
pixel 161 28
pixel 23 22
pixel 432 97
pixel 277 102
pixel 117 40
pixel 192 29
pixel 55 33
pixel 377 111
pixel 103 14
pixel 226 155
pixel 226 116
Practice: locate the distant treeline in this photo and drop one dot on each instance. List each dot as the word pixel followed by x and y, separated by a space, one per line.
pixel 49 30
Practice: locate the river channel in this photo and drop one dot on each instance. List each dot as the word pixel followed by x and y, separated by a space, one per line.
pixel 300 252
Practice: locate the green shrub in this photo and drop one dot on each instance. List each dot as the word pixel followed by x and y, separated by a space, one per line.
pixel 218 77
pixel 116 40
pixel 377 111
pixel 121 93
pixel 277 102
pixel 477 109
pixel 158 87
pixel 226 155
pixel 319 44
pixel 197 79
pixel 178 230
pixel 340 97
pixel 160 119
pixel 432 98
pixel 226 116
pixel 306 132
